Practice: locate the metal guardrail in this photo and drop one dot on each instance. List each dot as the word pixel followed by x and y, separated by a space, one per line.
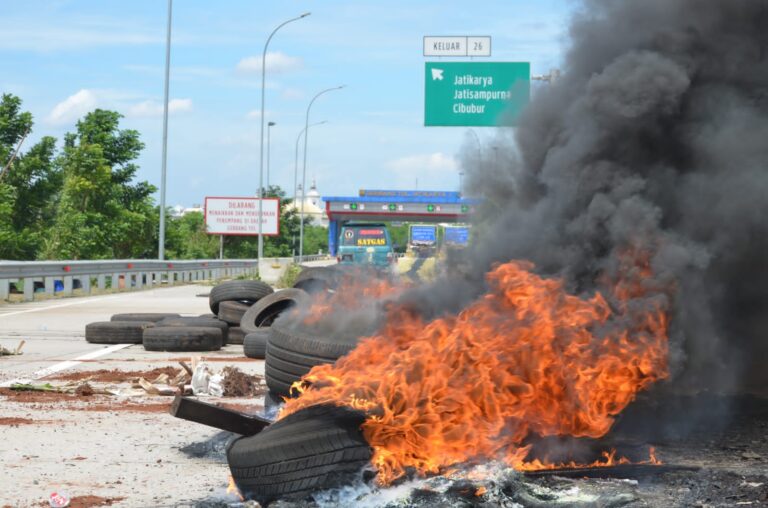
pixel 62 277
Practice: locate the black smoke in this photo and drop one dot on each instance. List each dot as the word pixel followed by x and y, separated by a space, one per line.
pixel 656 135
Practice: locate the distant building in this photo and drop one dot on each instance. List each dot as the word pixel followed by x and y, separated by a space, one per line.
pixel 313 206
pixel 180 211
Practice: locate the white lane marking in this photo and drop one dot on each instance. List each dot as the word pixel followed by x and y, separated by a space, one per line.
pixel 38 309
pixel 68 364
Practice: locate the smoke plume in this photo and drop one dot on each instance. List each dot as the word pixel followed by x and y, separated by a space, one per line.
pixel 655 137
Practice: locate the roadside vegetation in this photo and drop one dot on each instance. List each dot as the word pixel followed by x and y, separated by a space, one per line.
pixel 79 199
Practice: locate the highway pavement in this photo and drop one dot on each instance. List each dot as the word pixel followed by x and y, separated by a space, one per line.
pixel 124 449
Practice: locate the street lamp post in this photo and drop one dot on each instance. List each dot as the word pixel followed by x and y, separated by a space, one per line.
pixel 304 170
pixel 261 150
pixel 269 129
pixel 161 233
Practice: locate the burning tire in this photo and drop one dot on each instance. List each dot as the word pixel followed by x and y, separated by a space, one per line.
pixel 255 343
pixel 238 290
pixel 317 279
pixel 153 317
pixel 186 338
pixel 116 332
pixel 197 322
pixel 265 311
pixel 291 354
pixel 318 448
pixel 236 335
pixel 232 312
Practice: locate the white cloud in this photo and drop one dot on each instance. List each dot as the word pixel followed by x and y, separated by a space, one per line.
pixel 153 108
pixel 276 62
pixel 256 114
pixel 73 107
pixel 433 163
pixel 292 94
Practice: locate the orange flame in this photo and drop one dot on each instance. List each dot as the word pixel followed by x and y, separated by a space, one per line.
pixel 233 490
pixel 525 358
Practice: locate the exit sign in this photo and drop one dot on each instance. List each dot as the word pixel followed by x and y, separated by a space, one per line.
pixel 475 94
pixel 457 45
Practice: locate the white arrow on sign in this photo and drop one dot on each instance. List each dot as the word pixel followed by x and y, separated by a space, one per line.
pixel 437 74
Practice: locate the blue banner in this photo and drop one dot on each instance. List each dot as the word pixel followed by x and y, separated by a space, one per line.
pixel 424 234
pixel 457 236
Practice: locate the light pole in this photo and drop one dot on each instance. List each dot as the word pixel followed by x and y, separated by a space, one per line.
pixel 296 161
pixel 269 129
pixel 161 233
pixel 304 170
pixel 261 150
pixel 461 183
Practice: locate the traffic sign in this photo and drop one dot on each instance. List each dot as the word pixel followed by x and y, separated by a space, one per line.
pixel 423 234
pixel 456 235
pixel 457 45
pixel 240 216
pixel 475 94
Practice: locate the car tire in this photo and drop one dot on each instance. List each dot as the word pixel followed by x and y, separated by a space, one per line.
pixel 116 332
pixel 292 354
pixel 232 312
pixel 153 317
pixel 182 338
pixel 236 335
pixel 255 343
pixel 198 322
pixel 316 279
pixel 317 448
pixel 264 312
pixel 250 291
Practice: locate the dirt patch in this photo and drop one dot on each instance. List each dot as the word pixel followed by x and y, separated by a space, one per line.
pixel 31 396
pixel 90 501
pixel 237 383
pixel 84 390
pixel 116 376
pixel 15 422
pixel 90 403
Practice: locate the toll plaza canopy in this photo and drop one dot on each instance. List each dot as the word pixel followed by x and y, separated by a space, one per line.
pixel 395 206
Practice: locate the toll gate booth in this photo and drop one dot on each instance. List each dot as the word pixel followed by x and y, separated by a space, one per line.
pixel 395 206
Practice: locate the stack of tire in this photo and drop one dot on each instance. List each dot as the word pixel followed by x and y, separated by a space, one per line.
pixel 319 447
pixel 292 350
pixel 173 332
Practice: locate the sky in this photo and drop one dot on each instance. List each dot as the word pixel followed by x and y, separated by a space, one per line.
pixel 65 58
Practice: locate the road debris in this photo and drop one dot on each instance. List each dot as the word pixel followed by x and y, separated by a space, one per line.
pixel 15 352
pixel 237 383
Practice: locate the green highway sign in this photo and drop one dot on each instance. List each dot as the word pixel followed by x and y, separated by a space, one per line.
pixel 475 94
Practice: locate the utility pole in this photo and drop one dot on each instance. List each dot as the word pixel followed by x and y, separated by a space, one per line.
pixel 161 239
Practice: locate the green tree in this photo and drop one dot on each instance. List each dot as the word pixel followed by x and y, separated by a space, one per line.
pixel 101 214
pixel 29 188
pixel 186 238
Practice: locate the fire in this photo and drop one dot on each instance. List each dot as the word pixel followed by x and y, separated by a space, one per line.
pixel 233 490
pixel 527 358
pixel 608 459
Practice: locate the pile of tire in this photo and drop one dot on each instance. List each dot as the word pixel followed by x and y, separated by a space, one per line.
pixel 172 332
pixel 319 447
pixel 293 349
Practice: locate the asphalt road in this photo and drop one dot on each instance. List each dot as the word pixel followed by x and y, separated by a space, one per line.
pixel 125 448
